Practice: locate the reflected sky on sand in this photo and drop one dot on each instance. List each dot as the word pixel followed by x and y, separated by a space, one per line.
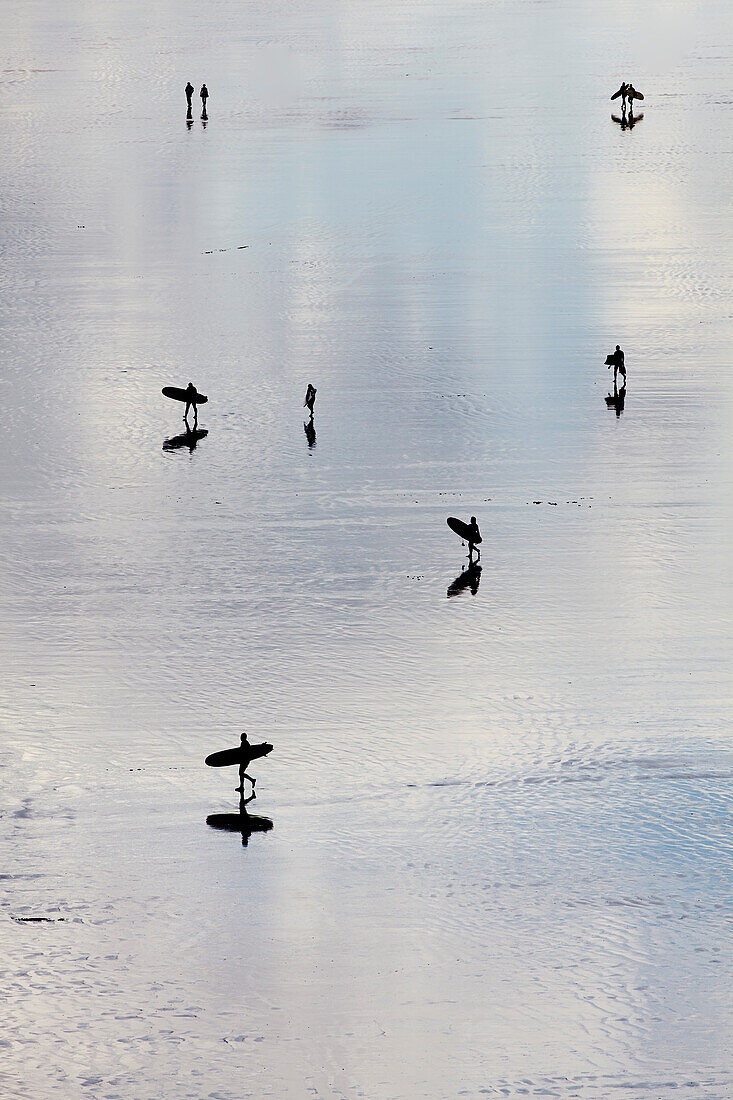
pixel 501 819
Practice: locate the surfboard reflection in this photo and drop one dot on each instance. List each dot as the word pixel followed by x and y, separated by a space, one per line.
pixel 469 578
pixel 310 432
pixel 189 439
pixel 627 121
pixel 243 823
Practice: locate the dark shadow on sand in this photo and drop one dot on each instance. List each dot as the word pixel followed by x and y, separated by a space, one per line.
pixel 617 400
pixel 627 121
pixel 469 578
pixel 189 439
pixel 310 432
pixel 243 823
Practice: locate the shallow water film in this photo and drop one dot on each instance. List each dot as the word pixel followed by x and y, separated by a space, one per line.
pixel 490 853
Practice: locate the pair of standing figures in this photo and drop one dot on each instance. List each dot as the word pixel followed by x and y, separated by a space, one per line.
pixel 204 93
pixel 627 93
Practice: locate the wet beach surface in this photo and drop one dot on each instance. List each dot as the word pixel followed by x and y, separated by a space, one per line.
pixel 500 861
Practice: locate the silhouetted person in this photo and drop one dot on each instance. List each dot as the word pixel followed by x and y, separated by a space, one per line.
pixel 310 398
pixel 622 93
pixel 619 366
pixel 204 93
pixel 191 395
pixel 474 536
pixel 189 95
pixel 631 95
pixel 310 432
pixel 244 744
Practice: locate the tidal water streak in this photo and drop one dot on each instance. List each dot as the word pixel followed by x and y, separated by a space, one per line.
pixel 500 861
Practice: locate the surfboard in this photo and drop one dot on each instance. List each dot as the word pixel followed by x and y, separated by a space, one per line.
pixel 610 360
pixel 463 530
pixel 635 95
pixel 616 94
pixel 177 394
pixel 240 755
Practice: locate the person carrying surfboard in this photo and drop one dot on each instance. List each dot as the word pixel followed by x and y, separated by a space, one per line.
pixel 244 744
pixel 468 532
pixel 310 398
pixel 619 366
pixel 191 396
pixel 621 94
pixel 631 95
pixel 474 536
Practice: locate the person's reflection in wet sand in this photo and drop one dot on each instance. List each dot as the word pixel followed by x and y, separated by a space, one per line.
pixel 189 439
pixel 617 399
pixel 627 122
pixel 204 118
pixel 468 578
pixel 243 822
pixel 189 118
pixel 310 432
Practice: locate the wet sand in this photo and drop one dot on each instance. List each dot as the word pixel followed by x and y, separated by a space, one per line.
pixel 500 861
